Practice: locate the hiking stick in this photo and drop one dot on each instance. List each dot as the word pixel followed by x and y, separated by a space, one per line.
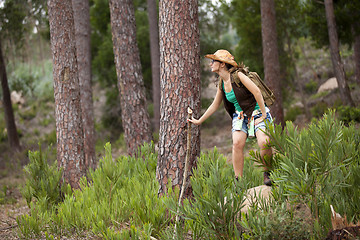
pixel 184 183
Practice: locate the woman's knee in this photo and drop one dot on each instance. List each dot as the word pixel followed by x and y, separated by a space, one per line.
pixel 238 144
pixel 263 142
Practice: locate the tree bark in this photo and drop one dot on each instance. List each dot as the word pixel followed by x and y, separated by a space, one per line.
pixel 271 57
pixel 135 118
pixel 335 55
pixel 357 56
pixel 83 51
pixel 9 113
pixel 180 88
pixel 155 59
pixel 69 127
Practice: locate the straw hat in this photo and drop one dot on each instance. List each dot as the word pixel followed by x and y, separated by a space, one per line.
pixel 223 56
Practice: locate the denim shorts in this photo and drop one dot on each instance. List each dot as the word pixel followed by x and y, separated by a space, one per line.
pixel 237 126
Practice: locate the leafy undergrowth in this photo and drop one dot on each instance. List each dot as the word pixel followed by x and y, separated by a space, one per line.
pixel 312 169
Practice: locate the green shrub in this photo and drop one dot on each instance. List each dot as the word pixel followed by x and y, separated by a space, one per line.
pixel 292 113
pixel 275 221
pixel 312 166
pixel 43 180
pixel 50 138
pixel 213 211
pixel 22 79
pixel 319 109
pixel 3 132
pixel 349 114
pixel 311 87
pixel 117 193
pixel 6 198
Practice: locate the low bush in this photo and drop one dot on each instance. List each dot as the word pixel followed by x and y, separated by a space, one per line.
pixel 43 180
pixel 313 168
pixel 311 87
pixel 318 166
pixel 292 113
pixel 349 114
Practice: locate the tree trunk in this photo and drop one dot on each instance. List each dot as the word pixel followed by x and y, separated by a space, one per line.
pixel 69 127
pixel 335 55
pixel 83 51
pixel 357 56
pixel 271 57
pixel 155 59
pixel 9 114
pixel 180 88
pixel 135 118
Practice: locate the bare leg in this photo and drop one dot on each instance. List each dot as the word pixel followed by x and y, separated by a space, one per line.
pixel 263 140
pixel 239 139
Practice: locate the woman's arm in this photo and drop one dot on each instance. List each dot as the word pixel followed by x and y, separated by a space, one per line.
pixel 211 109
pixel 251 86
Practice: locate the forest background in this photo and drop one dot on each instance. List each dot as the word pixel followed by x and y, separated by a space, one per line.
pixel 305 65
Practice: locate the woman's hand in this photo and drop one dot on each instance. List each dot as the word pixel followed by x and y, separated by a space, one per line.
pixel 260 119
pixel 194 121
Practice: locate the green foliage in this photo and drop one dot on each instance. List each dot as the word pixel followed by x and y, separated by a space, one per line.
pixel 217 200
pixel 3 132
pixel 313 166
pixel 50 138
pixel 292 113
pixel 32 80
pixel 119 192
pixel 246 19
pixel 12 17
pixel 319 109
pixel 43 181
pixel 275 221
pixel 349 114
pixel 345 14
pixel 6 198
pixel 245 16
pixel 311 87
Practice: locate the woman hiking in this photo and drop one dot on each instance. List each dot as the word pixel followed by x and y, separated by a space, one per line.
pixel 244 103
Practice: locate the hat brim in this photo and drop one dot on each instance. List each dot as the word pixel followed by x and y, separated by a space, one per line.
pixel 211 56
pixel 214 57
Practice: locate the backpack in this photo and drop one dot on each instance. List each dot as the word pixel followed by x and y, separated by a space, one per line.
pixel 268 95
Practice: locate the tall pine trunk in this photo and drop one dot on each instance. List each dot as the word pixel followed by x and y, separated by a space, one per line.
pixel 135 118
pixel 180 88
pixel 357 55
pixel 335 55
pixel 155 59
pixel 9 113
pixel 69 127
pixel 83 51
pixel 271 57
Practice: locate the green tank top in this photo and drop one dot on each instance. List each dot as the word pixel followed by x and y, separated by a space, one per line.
pixel 230 96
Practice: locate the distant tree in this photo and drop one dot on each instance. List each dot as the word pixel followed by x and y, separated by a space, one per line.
pixel 69 126
pixel 155 59
pixel 135 118
pixel 12 30
pixel 103 67
pixel 335 55
pixel 83 51
pixel 271 56
pixel 9 113
pixel 348 30
pixel 357 55
pixel 245 18
pixel 180 88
